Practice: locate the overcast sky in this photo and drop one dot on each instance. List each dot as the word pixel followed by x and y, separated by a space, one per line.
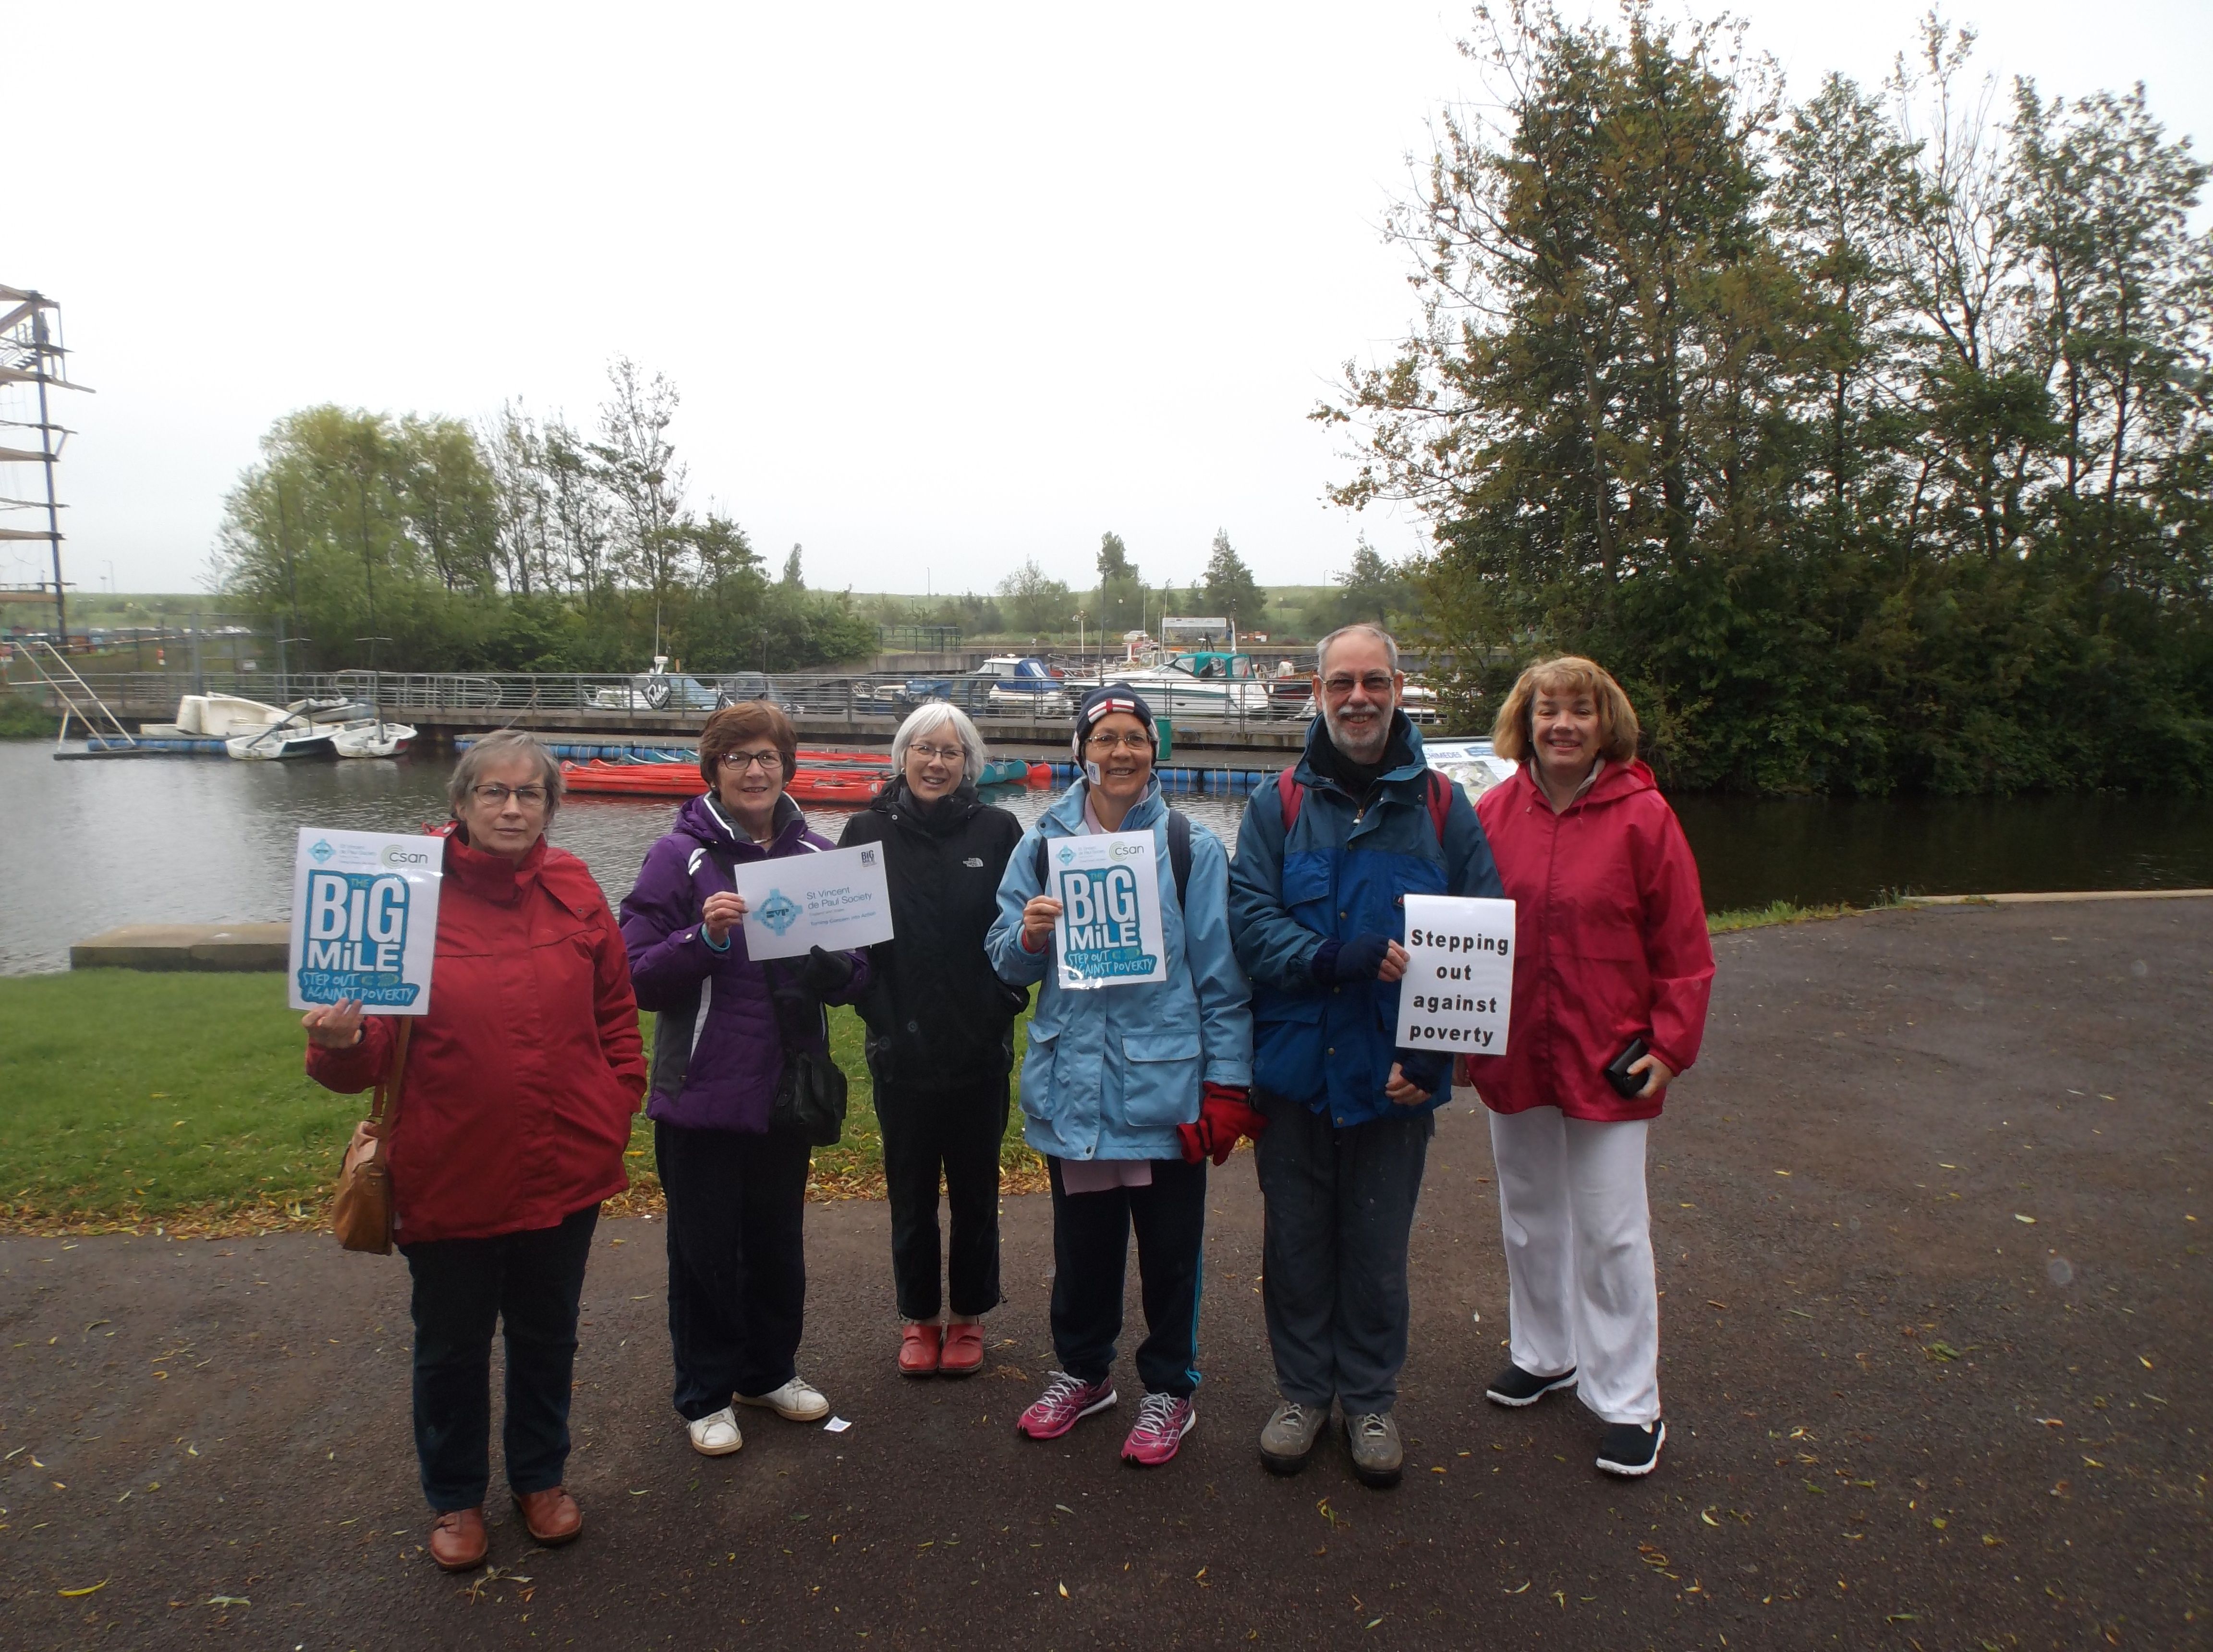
pixel 941 287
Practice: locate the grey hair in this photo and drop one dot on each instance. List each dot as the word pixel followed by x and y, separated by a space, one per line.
pixel 1321 649
pixel 924 719
pixel 501 748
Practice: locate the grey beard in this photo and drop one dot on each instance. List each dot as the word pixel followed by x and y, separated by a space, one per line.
pixel 1373 754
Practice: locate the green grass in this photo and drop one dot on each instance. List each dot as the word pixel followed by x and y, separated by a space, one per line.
pixel 179 1100
pixel 1776 911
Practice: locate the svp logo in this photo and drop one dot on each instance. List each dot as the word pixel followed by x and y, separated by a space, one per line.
pixel 322 851
pixel 779 912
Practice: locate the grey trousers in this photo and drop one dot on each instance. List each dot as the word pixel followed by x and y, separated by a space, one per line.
pixel 1340 1207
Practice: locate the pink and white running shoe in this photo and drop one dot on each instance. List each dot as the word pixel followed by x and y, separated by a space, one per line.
pixel 1163 1422
pixel 1065 1402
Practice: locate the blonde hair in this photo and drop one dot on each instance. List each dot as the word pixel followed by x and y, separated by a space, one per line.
pixel 1571 674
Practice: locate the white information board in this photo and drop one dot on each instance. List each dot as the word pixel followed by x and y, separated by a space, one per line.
pixel 1458 991
pixel 836 900
pixel 1109 932
pixel 365 919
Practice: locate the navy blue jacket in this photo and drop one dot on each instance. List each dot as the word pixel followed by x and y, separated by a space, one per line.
pixel 1345 872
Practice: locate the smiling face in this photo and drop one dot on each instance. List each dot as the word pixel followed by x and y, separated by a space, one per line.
pixel 1357 692
pixel 1563 733
pixel 1122 750
pixel 748 781
pixel 936 763
pixel 505 810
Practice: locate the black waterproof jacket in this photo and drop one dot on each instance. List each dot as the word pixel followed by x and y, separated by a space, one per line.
pixel 937 1016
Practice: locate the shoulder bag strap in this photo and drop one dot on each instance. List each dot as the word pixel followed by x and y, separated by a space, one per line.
pixel 384 1110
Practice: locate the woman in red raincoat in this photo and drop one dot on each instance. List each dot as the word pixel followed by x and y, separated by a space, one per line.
pixel 1611 953
pixel 514 1111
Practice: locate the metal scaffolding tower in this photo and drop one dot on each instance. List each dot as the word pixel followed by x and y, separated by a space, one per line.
pixel 33 358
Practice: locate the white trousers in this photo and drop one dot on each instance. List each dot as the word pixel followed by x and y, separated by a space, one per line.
pixel 1579 1257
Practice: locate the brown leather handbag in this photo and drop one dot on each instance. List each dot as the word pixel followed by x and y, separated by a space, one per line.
pixel 361 1210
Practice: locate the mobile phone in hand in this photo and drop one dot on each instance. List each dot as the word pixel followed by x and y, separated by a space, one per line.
pixel 1626 1083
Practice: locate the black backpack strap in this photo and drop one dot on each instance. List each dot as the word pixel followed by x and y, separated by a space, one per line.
pixel 1178 854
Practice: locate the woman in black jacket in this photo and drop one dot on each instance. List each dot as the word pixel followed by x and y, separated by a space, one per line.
pixel 940 1041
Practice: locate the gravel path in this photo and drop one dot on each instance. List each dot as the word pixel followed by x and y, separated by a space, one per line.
pixel 1936 1322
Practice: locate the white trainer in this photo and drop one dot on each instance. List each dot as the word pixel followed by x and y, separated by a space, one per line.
pixel 797 1401
pixel 717 1435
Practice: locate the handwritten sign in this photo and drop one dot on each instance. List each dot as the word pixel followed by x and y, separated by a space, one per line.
pixel 1458 991
pixel 1109 931
pixel 365 919
pixel 836 900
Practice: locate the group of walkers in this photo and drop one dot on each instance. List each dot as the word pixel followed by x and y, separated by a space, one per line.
pixel 1275 1022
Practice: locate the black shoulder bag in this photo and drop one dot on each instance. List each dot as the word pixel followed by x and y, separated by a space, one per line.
pixel 810 1092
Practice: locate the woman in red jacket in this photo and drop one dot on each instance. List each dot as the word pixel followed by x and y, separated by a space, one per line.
pixel 512 1120
pixel 1610 951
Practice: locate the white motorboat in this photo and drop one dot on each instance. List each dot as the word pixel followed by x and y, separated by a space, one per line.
pixel 215 716
pixel 371 737
pixel 305 729
pixel 1204 684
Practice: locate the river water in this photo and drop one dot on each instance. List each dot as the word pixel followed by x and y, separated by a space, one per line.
pixel 85 846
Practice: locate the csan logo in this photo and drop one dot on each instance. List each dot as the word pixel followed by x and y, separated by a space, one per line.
pixel 399 856
pixel 1124 852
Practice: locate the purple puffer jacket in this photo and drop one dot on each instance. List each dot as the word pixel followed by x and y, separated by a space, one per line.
pixel 716 1054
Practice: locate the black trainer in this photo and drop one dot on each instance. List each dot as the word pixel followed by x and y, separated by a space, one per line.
pixel 1632 1449
pixel 1516 1388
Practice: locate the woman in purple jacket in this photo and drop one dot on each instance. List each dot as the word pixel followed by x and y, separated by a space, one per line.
pixel 736 1185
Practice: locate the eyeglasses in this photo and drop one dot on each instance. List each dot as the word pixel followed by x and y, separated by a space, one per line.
pixel 1377 683
pixel 496 796
pixel 939 753
pixel 1135 740
pixel 769 762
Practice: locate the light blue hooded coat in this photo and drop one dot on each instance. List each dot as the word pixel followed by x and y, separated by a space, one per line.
pixel 1111 1072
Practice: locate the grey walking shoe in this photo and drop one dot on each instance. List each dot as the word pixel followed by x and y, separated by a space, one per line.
pixel 1377 1457
pixel 1289 1436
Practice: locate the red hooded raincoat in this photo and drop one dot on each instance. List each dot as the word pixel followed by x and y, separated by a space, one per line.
pixel 522 1081
pixel 1611 942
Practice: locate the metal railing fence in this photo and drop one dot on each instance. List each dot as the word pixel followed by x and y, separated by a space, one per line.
pixel 1236 703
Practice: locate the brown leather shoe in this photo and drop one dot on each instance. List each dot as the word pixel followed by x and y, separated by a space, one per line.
pixel 552 1515
pixel 917 1355
pixel 457 1539
pixel 964 1352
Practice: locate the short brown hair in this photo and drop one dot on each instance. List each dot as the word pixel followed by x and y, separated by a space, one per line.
pixel 1570 674
pixel 497 748
pixel 734 725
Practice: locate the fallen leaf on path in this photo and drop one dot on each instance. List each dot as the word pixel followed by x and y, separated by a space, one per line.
pixel 1063 1591
pixel 2031 1221
pixel 78 1594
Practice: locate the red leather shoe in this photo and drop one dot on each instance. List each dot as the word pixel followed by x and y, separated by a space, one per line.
pixel 964 1351
pixel 919 1350
pixel 457 1539
pixel 552 1515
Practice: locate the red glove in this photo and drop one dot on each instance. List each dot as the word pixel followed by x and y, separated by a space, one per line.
pixel 1224 1115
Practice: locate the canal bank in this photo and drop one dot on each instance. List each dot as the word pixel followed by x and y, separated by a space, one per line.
pixel 1934 1306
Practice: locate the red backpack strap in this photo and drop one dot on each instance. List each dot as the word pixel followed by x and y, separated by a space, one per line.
pixel 1291 795
pixel 1440 790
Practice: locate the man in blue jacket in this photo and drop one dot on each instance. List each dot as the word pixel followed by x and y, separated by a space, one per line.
pixel 1326 855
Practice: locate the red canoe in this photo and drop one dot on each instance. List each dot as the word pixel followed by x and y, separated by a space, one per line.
pixel 683 780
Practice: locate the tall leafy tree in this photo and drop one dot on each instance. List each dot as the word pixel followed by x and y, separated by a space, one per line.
pixel 1120 603
pixel 1230 589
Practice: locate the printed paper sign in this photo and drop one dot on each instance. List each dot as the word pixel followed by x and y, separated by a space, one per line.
pixel 836 900
pixel 1458 991
pixel 1109 932
pixel 365 919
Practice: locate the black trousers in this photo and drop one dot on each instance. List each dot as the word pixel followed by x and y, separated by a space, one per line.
pixel 1339 1214
pixel 956 1131
pixel 737 1260
pixel 463 1289
pixel 1090 1253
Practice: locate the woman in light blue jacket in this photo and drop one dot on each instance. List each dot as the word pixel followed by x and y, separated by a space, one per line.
pixel 1127 1089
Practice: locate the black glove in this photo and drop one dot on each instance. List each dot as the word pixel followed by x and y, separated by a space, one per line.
pixel 823 973
pixel 1360 959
